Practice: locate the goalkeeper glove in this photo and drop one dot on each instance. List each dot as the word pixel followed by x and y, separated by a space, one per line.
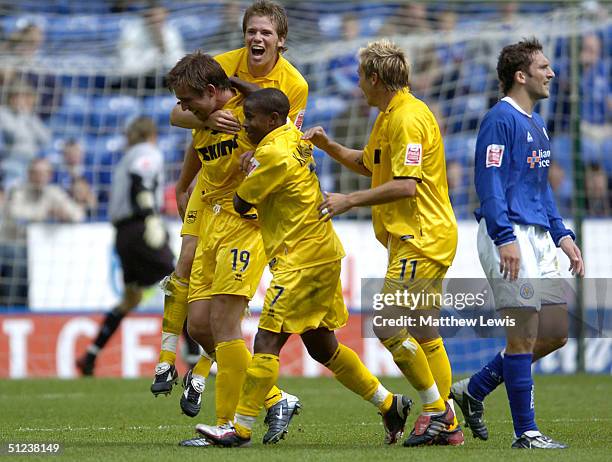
pixel 154 233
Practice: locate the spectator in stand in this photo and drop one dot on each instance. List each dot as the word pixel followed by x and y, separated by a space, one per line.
pixel 21 61
pixel 562 189
pixel 232 36
pixel 24 133
pixel 597 193
pixel 76 178
pixel 149 43
pixel 35 201
pixel 596 90
pixel 410 19
pixel 458 189
pixel 344 79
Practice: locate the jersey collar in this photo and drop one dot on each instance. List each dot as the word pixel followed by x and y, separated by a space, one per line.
pixel 513 103
pixel 399 97
pixel 276 132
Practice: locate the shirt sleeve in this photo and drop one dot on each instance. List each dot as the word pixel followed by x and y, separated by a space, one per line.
pixel 491 171
pixel 406 139
pixel 557 228
pixel 267 176
pixel 297 102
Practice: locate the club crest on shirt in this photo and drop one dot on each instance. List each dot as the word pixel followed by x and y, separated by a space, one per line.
pixel 495 154
pixel 191 216
pixel 414 153
pixel 299 119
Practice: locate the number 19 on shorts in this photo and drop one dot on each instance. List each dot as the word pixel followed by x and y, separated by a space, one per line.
pixel 240 260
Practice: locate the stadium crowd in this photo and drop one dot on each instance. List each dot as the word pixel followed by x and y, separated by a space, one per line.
pixel 121 49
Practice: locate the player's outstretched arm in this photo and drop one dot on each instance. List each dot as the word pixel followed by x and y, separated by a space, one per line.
pixel 336 204
pixel 244 87
pixel 350 158
pixel 221 120
pixel 240 205
pixel 184 119
pixel 572 251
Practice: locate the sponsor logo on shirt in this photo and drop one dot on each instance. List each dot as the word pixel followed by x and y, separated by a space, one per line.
pixel 540 158
pixel 217 150
pixel 529 138
pixel 495 154
pixel 414 153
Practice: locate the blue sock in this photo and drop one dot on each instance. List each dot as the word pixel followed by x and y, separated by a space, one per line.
pixel 487 379
pixel 519 386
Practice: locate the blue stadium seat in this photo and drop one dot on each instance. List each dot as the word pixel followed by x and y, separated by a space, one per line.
pixel 561 146
pixel 460 147
pixel 173 147
pixel 72 117
pixel 606 151
pixel 322 109
pixel 193 28
pixel 111 112
pixel 591 151
pixel 159 108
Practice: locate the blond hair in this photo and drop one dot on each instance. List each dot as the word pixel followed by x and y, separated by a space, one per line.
pixel 140 130
pixel 387 61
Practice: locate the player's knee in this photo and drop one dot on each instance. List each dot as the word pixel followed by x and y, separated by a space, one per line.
pixel 556 343
pixel 267 342
pixel 520 344
pixel 320 344
pixel 227 310
pixel 320 353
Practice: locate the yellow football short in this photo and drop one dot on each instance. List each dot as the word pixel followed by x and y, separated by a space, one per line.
pixel 193 214
pixel 229 259
pixel 410 272
pixel 305 299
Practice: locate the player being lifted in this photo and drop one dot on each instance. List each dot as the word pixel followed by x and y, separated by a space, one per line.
pixel 305 295
pixel 141 241
pixel 229 258
pixel 519 229
pixel 265 30
pixel 410 209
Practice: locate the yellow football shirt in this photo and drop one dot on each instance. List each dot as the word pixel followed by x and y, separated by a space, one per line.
pixel 283 76
pixel 406 143
pixel 220 153
pixel 285 190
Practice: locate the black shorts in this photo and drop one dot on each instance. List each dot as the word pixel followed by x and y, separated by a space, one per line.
pixel 141 264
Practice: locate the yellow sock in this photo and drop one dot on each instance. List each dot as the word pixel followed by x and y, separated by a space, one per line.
pixel 261 375
pixel 274 396
pixel 243 431
pixel 352 373
pixel 203 366
pixel 440 368
pixel 233 358
pixel 175 313
pixel 167 357
pixel 410 358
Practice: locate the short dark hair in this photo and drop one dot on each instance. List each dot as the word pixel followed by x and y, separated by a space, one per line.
pixel 513 58
pixel 197 70
pixel 274 11
pixel 269 100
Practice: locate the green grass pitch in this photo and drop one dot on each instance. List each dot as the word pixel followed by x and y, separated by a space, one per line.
pixel 119 420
